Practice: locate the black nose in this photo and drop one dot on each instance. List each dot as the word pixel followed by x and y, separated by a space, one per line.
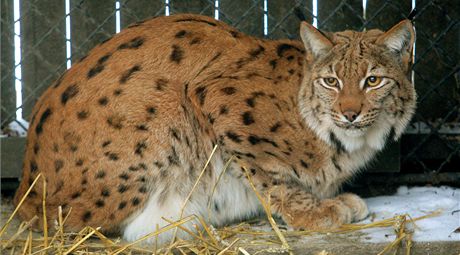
pixel 350 115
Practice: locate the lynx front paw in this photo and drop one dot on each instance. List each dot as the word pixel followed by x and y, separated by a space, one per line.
pixel 356 204
pixel 328 215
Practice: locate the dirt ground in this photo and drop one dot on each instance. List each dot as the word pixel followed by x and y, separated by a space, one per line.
pixel 334 244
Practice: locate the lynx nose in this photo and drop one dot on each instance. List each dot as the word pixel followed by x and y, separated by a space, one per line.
pixel 351 115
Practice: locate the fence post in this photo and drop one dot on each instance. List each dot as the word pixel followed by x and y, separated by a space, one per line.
pixel 282 21
pixel 247 16
pixel 91 23
pixel 133 11
pixel 8 94
pixel 43 48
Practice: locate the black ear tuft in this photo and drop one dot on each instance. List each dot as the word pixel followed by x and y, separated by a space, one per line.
pixel 412 14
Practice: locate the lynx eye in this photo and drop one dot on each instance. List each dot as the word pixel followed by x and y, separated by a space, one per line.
pixel 331 81
pixel 373 81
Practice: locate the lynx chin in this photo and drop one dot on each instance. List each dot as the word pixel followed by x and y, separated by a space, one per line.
pixel 122 136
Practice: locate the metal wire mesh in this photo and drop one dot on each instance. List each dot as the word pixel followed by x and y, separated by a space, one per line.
pixel 431 144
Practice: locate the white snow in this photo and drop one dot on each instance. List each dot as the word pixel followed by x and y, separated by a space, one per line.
pixel 416 202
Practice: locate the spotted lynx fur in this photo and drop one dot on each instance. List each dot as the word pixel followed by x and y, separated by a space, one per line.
pixel 123 135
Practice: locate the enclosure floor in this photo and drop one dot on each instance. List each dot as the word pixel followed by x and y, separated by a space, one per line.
pixel 334 244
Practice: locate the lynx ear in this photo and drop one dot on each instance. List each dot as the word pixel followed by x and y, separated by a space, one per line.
pixel 315 42
pixel 399 39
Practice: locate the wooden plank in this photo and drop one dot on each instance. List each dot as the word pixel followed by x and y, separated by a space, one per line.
pixel 43 48
pixel 247 16
pixel 282 20
pixel 8 94
pixel 11 155
pixel 91 23
pixel 384 15
pixel 133 11
pixel 339 15
pixel 204 7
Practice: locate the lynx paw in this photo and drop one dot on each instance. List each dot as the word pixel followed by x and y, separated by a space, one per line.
pixel 329 215
pixel 356 204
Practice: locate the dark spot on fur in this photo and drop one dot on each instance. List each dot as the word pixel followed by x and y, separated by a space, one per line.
pixel 94 71
pixel 180 34
pixel 128 74
pixel 247 118
pixel 114 122
pixel 336 164
pixel 158 164
pixel 143 189
pixel 117 92
pixel 253 139
pixel 195 40
pixel 161 84
pixel 79 162
pixel 234 137
pixel 223 109
pixel 196 20
pixel 122 205
pixel 122 188
pixel 105 192
pixel 86 216
pixel 142 127
pixel 103 101
pixel 256 52
pixel 177 54
pixel 58 165
pixel 100 203
pixel 106 143
pixel 304 164
pixel 140 148
pixel 124 176
pixel 174 158
pixel 104 58
pixel 210 118
pixel 235 33
pixel 81 115
pixel 75 195
pixel 151 110
pixel 175 133
pixel 112 156
pixel 201 94
pixel 69 93
pixel 135 201
pixel 275 127
pixel 36 148
pixel 133 44
pixel 337 144
pixel 229 90
pixel 100 174
pixel 33 166
pixel 43 118
pixel 284 47
pixel 273 63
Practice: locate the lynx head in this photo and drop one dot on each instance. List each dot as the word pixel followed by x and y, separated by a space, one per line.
pixel 356 88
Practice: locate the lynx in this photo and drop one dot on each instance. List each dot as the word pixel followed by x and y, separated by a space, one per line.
pixel 123 135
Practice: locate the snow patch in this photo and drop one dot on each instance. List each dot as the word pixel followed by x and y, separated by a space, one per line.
pixel 416 202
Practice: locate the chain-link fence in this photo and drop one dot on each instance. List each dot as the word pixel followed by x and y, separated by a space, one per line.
pixel 41 38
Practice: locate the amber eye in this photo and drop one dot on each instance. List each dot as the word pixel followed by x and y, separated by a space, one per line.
pixel 373 81
pixel 331 81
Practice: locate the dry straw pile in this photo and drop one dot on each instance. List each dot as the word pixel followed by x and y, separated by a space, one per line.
pixel 238 239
